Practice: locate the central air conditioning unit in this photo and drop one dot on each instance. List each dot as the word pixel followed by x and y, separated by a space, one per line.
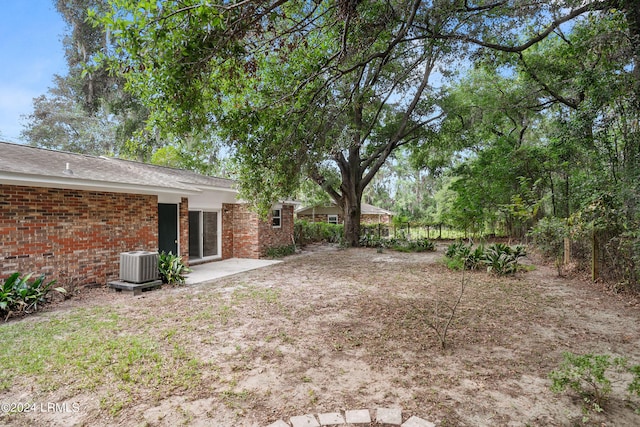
pixel 138 266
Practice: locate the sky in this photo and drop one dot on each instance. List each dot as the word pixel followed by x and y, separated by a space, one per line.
pixel 30 54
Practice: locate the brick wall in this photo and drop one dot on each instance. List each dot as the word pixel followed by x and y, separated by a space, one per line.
pixel 239 232
pixel 72 233
pixel 271 237
pixel 183 228
pixel 244 235
pixel 227 230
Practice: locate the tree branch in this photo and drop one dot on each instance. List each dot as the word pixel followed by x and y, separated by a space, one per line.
pixel 375 162
pixel 569 103
pixel 522 47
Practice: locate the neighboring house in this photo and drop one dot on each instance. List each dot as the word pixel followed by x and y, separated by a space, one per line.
pixel 332 214
pixel 71 215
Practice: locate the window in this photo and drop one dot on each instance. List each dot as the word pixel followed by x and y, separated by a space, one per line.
pixel 332 219
pixel 276 218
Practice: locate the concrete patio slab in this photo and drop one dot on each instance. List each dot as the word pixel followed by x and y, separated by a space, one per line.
pixel 214 270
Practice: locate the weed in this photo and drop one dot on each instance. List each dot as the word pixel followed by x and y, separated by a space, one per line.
pixel 313 398
pixel 232 399
pixel 225 313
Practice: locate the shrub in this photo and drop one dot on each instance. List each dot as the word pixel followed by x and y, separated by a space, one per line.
pixel 548 236
pixel 172 269
pixel 310 232
pixel 397 244
pixel 586 376
pixel 280 251
pixel 22 295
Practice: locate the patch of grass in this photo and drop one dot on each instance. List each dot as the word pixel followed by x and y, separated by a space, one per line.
pixel 267 295
pixel 225 313
pixel 235 399
pixel 95 348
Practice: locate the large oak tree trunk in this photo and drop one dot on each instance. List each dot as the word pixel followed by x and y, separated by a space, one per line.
pixel 351 213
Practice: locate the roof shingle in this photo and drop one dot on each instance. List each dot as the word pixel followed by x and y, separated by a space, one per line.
pixel 45 163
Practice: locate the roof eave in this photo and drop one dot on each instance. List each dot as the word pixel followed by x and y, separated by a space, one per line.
pixel 75 183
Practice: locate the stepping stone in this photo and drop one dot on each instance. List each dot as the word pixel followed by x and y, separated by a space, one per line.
pixel 417 422
pixel 330 419
pixel 359 416
pixel 391 416
pixel 304 421
pixel 279 423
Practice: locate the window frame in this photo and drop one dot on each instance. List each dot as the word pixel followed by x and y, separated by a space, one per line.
pixel 330 216
pixel 276 220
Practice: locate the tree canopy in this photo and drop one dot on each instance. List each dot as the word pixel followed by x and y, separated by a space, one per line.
pixel 302 90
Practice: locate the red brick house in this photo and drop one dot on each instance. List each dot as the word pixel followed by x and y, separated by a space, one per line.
pixel 71 215
pixel 332 214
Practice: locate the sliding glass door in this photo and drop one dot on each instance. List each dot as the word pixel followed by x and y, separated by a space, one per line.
pixel 203 234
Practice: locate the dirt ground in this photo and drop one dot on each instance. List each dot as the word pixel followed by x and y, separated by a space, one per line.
pixel 336 329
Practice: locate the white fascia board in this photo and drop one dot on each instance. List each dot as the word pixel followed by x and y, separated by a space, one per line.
pixel 214 188
pixel 89 185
